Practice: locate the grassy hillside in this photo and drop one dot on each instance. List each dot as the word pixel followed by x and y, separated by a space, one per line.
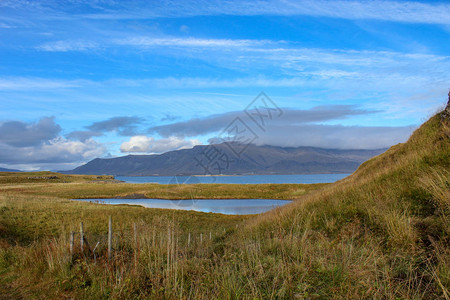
pixel 49 177
pixel 381 233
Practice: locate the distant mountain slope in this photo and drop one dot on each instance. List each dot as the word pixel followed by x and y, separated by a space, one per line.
pixel 220 159
pixel 8 170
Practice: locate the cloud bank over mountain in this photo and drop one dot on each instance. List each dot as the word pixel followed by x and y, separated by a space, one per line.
pixel 39 145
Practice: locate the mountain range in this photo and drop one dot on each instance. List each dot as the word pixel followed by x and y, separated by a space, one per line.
pixel 231 159
pixel 8 170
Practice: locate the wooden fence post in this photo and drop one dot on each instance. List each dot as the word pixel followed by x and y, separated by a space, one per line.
pixel 110 238
pixel 135 235
pixel 71 241
pixel 81 237
pixel 93 251
pixel 135 244
pixel 168 248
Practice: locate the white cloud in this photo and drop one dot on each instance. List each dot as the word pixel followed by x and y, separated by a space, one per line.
pixel 140 143
pixel 189 42
pixel 73 150
pixel 35 83
pixel 58 152
pixel 148 42
pixel 398 11
pixel 64 46
pixel 294 67
pixel 288 65
pixel 291 66
pixel 202 82
pixel 395 11
pixel 39 144
pixel 144 144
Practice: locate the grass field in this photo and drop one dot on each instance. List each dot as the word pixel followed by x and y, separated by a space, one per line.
pixel 381 233
pixel 83 187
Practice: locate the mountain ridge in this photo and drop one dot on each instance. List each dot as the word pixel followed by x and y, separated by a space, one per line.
pixel 231 159
pixel 9 170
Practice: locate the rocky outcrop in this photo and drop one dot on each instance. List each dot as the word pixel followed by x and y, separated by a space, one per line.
pixel 445 115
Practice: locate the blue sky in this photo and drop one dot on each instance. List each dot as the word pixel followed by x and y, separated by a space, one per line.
pixel 85 79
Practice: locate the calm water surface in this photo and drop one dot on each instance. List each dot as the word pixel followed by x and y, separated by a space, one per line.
pixel 238 179
pixel 222 206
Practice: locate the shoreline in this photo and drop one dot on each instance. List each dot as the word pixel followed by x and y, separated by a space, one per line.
pixel 232 175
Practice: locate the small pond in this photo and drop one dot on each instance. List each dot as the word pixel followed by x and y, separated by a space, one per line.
pixel 222 206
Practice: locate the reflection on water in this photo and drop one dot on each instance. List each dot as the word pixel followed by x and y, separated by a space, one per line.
pixel 222 206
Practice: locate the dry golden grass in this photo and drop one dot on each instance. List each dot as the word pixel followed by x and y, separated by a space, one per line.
pixel 86 190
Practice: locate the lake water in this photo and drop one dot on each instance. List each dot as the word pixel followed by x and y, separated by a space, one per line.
pixel 222 206
pixel 238 179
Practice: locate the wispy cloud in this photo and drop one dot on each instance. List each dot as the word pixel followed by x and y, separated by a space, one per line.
pixel 33 83
pixel 383 10
pixel 395 11
pixel 124 126
pixel 298 128
pixel 202 82
pixel 289 65
pixel 190 42
pixel 153 42
pixel 215 123
pixel 6 26
pixel 65 46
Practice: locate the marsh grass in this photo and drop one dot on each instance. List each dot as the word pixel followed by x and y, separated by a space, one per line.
pixel 381 233
pixel 110 189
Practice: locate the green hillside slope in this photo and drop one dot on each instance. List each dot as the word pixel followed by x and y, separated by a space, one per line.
pixel 382 232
